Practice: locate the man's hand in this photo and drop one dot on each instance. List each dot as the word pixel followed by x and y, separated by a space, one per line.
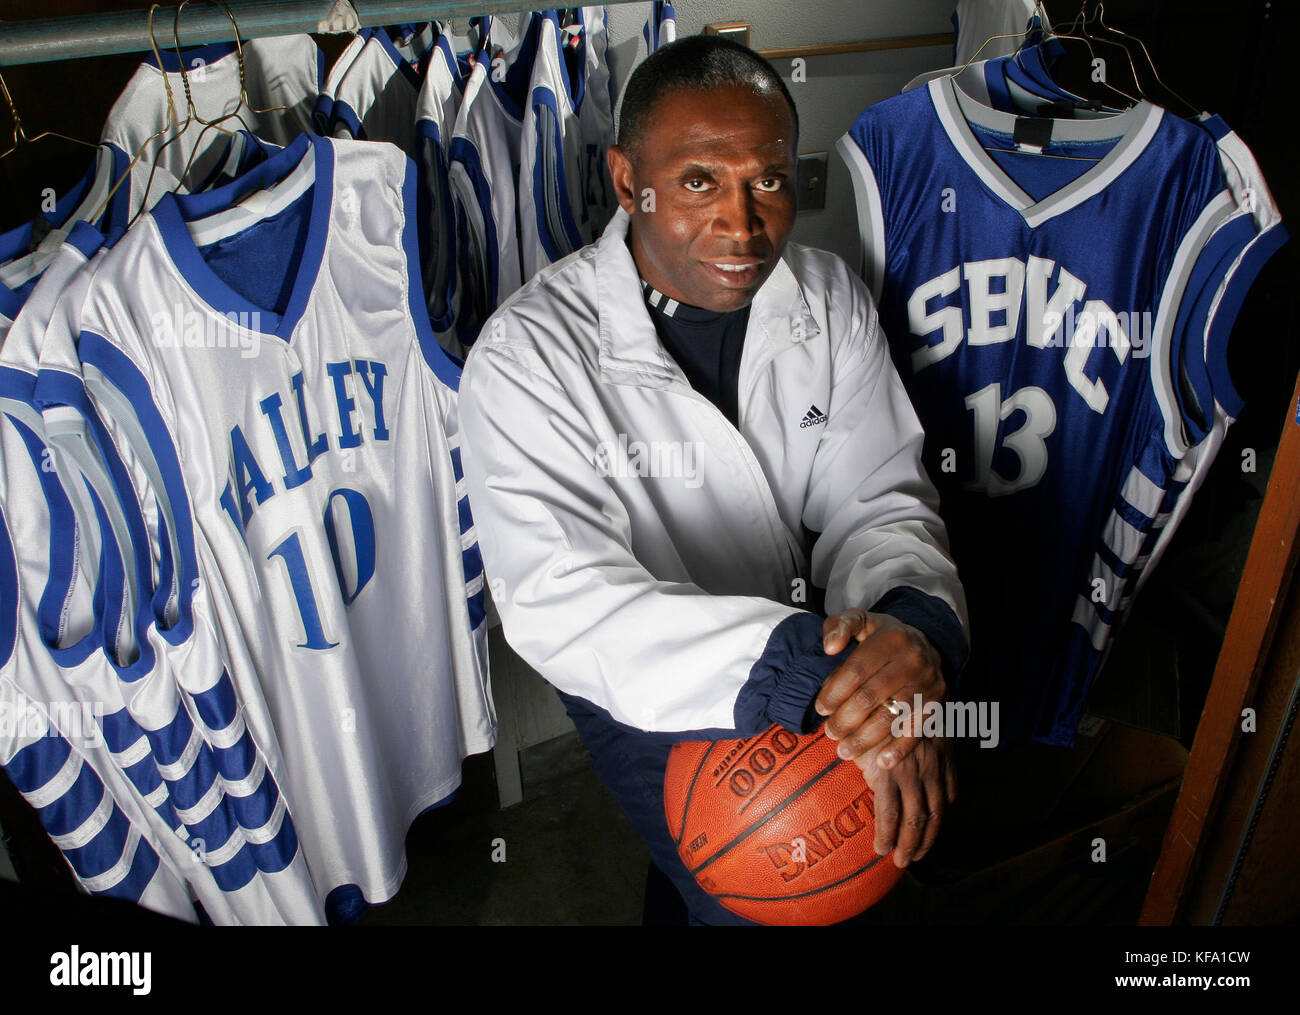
pixel 910 799
pixel 911 777
pixel 892 660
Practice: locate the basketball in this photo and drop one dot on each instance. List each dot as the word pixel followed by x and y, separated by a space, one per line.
pixel 777 827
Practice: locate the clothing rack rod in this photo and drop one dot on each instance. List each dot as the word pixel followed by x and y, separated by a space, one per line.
pixel 45 40
pixel 865 46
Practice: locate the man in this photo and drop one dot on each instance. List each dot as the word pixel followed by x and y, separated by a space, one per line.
pixel 679 437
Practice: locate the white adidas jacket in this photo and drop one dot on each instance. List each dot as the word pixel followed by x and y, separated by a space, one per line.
pixel 639 549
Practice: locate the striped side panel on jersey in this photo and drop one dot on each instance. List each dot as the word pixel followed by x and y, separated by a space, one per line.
pixel 470 558
pixel 106 852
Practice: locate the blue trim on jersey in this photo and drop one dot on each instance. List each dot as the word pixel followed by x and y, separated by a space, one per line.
pixel 173 212
pixel 85 238
pixel 343 115
pixel 513 91
pixel 552 17
pixel 11 302
pixel 9 593
pixel 459 68
pixel 995 83
pixel 399 62
pixel 75 805
pixel 344 905
pixel 1257 255
pixel 1192 326
pixel 58 388
pixel 166 573
pixel 572 238
pixel 238 762
pixel 36 764
pixel 253 151
pixel 121 732
pixel 434 355
pixel 211 53
pixel 17 242
pixel 572 48
pixel 1216 125
pixel 110 597
pixel 652 30
pixel 433 155
pixel 144 864
pixel 103 852
pixel 1031 68
pixel 465 153
pixel 471 560
pixel 63 546
pixel 117 367
pixel 322 114
pixel 218 706
pixel 117 215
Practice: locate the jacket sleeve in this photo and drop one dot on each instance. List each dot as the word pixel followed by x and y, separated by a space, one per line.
pixel 574 601
pixel 869 497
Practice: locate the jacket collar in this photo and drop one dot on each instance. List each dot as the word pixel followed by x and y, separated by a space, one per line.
pixel 630 350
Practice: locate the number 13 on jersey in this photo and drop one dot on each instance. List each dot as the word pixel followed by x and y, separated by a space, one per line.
pixel 1027 442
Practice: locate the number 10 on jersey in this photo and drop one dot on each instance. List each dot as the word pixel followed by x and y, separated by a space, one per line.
pixel 354 561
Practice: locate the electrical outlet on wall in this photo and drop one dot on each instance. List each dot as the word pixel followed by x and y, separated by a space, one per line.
pixel 810 187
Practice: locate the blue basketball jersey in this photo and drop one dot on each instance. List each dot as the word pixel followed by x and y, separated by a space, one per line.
pixel 1049 321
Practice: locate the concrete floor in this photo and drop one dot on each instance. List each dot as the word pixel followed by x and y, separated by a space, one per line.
pixel 570 858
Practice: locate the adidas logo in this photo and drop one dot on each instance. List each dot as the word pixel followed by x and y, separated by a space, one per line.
pixel 812 417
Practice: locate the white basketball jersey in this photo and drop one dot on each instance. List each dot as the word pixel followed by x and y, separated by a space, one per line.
pixel 377 98
pixel 104 837
pixel 301 444
pixel 484 172
pixel 322 115
pixel 97 198
pixel 278 71
pixel 435 122
pixel 63 596
pixel 596 114
pixel 660 27
pixel 998 26
pixel 552 203
pixel 167 686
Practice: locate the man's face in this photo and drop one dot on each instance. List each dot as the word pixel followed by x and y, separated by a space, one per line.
pixel 719 167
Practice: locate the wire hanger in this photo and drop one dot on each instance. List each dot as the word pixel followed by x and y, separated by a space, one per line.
pixel 243 103
pixel 168 123
pixel 1099 15
pixel 20 137
pixel 1079 24
pixel 1045 27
